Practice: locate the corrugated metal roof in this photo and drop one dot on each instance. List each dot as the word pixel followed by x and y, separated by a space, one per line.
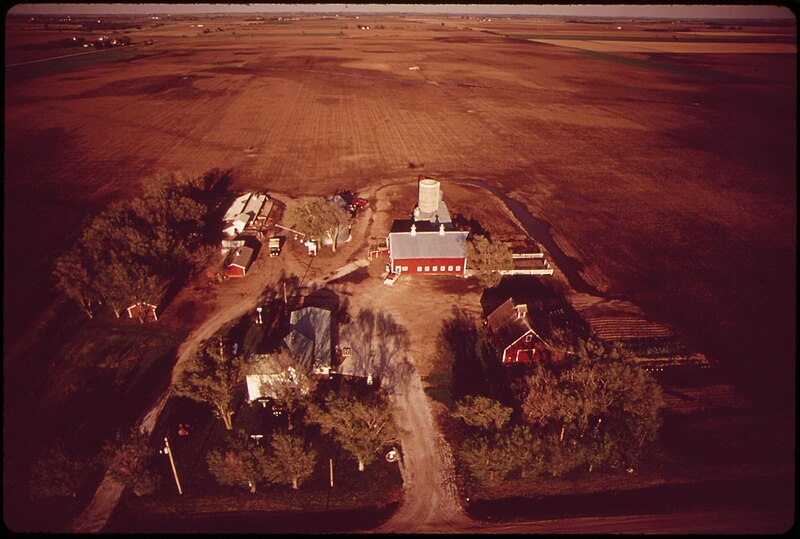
pixel 254 205
pixel 310 338
pixel 453 244
pixel 237 207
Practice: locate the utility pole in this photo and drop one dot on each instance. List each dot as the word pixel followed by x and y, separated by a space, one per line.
pixel 258 310
pixel 172 463
pixel 331 461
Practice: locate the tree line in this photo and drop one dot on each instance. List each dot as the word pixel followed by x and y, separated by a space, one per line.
pixel 594 409
pixel 131 252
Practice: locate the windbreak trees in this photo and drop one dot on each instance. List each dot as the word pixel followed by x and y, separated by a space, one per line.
pixel 362 428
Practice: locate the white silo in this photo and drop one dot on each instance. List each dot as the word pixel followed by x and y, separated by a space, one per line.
pixel 428 195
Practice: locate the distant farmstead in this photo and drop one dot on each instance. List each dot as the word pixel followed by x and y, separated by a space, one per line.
pixel 427 243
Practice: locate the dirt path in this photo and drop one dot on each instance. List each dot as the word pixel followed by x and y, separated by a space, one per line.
pixel 431 502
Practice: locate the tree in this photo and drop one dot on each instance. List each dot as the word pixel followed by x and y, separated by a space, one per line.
pixel 486 257
pixel 488 459
pixel 57 473
pixel 539 396
pixel 74 276
pixel 129 460
pixel 320 219
pixel 602 409
pixel 239 463
pixel 362 428
pixel 290 462
pixel 482 412
pixel 211 378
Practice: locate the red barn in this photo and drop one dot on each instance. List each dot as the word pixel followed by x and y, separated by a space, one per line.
pixel 431 252
pixel 511 331
pixel 240 261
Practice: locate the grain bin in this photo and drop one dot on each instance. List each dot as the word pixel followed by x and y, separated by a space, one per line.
pixel 428 195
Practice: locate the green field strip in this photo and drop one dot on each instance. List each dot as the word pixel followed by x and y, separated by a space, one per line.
pixel 664 38
pixel 60 65
pixel 661 66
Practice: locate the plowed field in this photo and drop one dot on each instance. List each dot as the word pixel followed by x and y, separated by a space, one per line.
pixel 678 183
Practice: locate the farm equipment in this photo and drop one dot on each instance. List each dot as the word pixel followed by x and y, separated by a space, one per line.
pixel 275 246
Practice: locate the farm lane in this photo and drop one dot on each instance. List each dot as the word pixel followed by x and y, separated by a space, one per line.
pixel 430 502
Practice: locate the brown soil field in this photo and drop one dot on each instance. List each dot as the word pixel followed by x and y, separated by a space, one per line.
pixel 679 189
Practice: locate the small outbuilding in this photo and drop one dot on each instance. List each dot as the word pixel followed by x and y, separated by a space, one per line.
pixel 511 331
pixel 145 312
pixel 240 261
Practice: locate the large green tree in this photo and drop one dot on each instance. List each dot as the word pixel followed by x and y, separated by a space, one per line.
pixel 240 462
pixel 485 257
pixel 75 277
pixel 482 412
pixel 320 219
pixel 129 460
pixel 290 462
pixel 362 427
pixel 212 376
pixel 600 409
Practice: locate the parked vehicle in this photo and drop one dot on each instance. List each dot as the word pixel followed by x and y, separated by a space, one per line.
pixel 275 246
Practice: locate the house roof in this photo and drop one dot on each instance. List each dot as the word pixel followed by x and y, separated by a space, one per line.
pixel 264 371
pixel 242 257
pixel 451 244
pixel 309 339
pixel 237 207
pixel 254 205
pixel 506 325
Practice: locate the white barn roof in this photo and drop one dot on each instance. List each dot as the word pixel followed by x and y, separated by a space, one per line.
pixel 451 244
pixel 254 205
pixel 237 207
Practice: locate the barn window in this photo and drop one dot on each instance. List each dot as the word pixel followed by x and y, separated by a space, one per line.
pixel 458 268
pixel 405 268
pixel 449 268
pixel 435 268
pixel 427 268
pixel 441 268
pixel 397 269
pixel 419 269
pixel 528 337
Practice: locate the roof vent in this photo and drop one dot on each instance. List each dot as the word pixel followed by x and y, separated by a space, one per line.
pixel 441 229
pixel 413 230
pixel 522 311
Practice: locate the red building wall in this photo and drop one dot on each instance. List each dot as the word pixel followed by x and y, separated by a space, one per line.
pixel 418 265
pixel 235 271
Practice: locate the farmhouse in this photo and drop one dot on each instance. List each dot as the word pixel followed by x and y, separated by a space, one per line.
pixel 511 331
pixel 266 372
pixel 310 340
pixel 240 261
pixel 427 243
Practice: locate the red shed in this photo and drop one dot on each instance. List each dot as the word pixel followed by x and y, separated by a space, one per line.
pixel 143 311
pixel 239 262
pixel 511 331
